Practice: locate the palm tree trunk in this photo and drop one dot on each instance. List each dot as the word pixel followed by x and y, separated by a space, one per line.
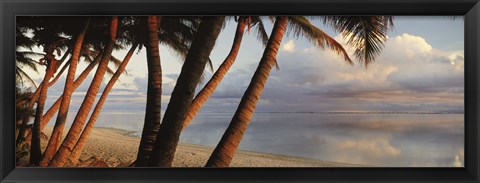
pixel 54 108
pixel 212 84
pixel 65 104
pixel 35 151
pixel 60 158
pixel 21 134
pixel 226 148
pixel 51 63
pixel 60 72
pixel 77 150
pixel 23 127
pixel 35 95
pixel 154 94
pixel 183 93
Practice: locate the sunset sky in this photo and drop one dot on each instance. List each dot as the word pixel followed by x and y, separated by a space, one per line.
pixel 421 68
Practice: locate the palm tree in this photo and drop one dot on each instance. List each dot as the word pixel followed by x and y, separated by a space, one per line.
pixel 178 37
pixel 223 153
pixel 25 58
pixel 67 145
pixel 34 98
pixel 364 33
pixel 217 77
pixel 67 27
pixel 57 76
pixel 154 92
pixel 226 148
pixel 24 54
pixel 51 62
pixel 65 104
pixel 49 35
pixel 176 33
pixel 78 148
pixel 71 86
pixel 56 105
pixel 97 55
pixel 183 93
pixel 21 110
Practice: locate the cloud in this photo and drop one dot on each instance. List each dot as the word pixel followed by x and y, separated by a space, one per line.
pixel 289 46
pixel 411 45
pixel 408 75
pixel 378 148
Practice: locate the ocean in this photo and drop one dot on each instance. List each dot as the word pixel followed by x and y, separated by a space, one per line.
pixel 372 139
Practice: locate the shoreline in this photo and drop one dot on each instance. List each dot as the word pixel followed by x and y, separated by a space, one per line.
pixel 114 147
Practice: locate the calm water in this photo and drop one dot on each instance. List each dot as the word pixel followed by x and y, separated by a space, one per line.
pixel 417 140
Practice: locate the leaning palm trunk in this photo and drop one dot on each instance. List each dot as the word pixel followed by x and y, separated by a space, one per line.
pixel 65 104
pixel 154 94
pixel 183 93
pixel 35 151
pixel 217 77
pixel 77 150
pixel 51 63
pixel 54 108
pixel 66 148
pixel 21 134
pixel 35 95
pixel 226 148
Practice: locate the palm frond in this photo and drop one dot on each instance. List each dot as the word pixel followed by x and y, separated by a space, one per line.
pixel 22 41
pixel 21 60
pixel 260 31
pixel 366 34
pixel 88 58
pixel 110 72
pixel 301 26
pixel 276 65
pixel 178 47
pixel 209 64
pixel 22 74
pixel 30 54
pixel 116 62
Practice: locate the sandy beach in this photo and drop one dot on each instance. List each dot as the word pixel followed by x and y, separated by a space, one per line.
pixel 117 148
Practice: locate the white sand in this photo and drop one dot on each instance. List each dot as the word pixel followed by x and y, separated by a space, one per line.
pixel 118 149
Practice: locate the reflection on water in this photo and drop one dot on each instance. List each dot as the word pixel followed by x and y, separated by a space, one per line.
pixel 388 140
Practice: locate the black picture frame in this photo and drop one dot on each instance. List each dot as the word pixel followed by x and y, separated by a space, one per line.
pixel 470 9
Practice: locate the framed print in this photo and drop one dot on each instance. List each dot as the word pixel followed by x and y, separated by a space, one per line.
pixel 241 91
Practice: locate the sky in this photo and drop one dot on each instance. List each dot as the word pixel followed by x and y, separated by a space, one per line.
pixel 420 69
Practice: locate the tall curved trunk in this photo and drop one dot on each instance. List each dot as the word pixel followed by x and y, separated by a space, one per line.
pixel 35 150
pixel 217 77
pixel 51 63
pixel 35 95
pixel 182 95
pixel 60 158
pixel 226 148
pixel 154 94
pixel 77 150
pixel 54 108
pixel 65 104
pixel 21 134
